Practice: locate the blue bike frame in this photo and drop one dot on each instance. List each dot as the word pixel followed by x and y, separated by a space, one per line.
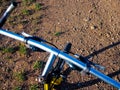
pixel 54 52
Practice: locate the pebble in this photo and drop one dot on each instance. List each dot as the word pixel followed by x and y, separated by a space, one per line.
pixel 106 73
pixel 96 85
pixel 113 38
pixel 1 63
pixel 90 11
pixel 58 23
pixel 74 28
pixel 116 78
pixel 93 27
pixel 3 69
pixel 72 82
pixel 107 35
pixel 86 19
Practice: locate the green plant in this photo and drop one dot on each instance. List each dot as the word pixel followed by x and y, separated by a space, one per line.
pixel 17 88
pixel 8 57
pixel 20 76
pixel 38 6
pixel 58 33
pixel 25 1
pixel 8 50
pixel 24 21
pixel 28 1
pixel 8 70
pixel 11 20
pixel 22 49
pixel 26 12
pixel 34 87
pixel 38 65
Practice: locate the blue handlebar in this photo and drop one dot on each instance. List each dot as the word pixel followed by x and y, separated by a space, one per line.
pixel 61 54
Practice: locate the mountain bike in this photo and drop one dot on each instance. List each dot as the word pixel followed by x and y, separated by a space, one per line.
pixel 53 75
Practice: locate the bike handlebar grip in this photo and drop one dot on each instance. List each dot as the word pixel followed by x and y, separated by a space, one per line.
pixel 7 13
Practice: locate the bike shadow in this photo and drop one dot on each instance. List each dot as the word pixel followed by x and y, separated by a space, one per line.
pixel 78 85
pixel 102 50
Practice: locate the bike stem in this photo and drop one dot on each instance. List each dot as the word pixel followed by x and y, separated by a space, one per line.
pixel 54 52
pixel 48 65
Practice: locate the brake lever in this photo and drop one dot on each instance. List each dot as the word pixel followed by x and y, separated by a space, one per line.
pixel 99 67
pixel 88 64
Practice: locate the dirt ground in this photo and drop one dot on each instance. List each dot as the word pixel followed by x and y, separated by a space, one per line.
pixel 92 26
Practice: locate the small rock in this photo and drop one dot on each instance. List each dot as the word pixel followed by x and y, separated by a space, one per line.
pixel 58 23
pixel 116 78
pixel 107 35
pixel 96 85
pixel 87 19
pixel 106 73
pixel 93 27
pixel 72 82
pixel 74 28
pixel 90 11
pixel 1 63
pixel 3 69
pixel 113 38
pixel 67 20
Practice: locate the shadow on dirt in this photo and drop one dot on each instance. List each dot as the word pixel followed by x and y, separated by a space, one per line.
pixel 88 83
pixel 102 50
pixel 73 86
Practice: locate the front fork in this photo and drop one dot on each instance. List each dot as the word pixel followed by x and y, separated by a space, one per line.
pixel 48 79
pixel 51 77
pixel 47 68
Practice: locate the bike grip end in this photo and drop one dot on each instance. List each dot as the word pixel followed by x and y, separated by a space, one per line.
pixel 14 3
pixel 7 13
pixel 68 47
pixel 12 6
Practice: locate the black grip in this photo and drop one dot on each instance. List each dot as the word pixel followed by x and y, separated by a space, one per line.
pixel 7 13
pixel 67 48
